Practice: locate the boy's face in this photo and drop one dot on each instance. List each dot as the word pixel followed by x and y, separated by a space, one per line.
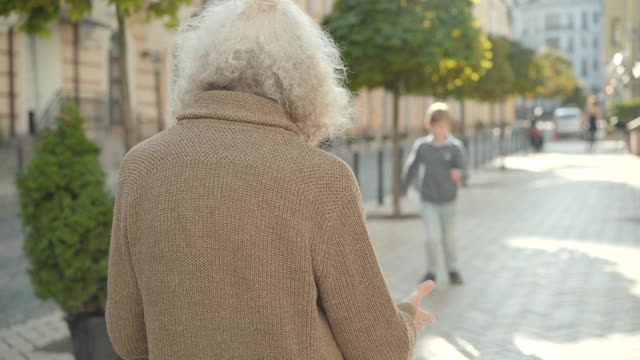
pixel 440 129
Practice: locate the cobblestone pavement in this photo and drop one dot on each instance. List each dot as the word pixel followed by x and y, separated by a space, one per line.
pixel 549 251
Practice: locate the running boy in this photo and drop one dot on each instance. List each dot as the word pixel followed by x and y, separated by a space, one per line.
pixel 442 156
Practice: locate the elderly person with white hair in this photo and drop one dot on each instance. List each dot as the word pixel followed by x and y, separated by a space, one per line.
pixel 234 235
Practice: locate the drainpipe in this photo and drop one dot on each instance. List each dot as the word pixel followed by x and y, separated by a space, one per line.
pixel 76 64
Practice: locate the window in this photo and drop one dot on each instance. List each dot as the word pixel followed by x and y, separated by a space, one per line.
pixel 570 45
pixel 585 71
pixel 616 32
pixel 596 65
pixel 584 20
pixel 595 42
pixel 569 21
pixel 552 22
pixel 596 18
pixel 553 43
pixel 584 42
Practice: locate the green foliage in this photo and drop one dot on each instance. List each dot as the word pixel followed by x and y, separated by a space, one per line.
pixel 66 214
pixel 527 74
pixel 37 14
pixel 407 46
pixel 558 78
pixel 498 83
pixel 463 51
pixel 626 111
pixel 577 97
pixel 165 9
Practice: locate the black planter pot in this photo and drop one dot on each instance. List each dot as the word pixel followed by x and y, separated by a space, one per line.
pixel 89 338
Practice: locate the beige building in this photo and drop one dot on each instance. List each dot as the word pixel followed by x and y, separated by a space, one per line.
pixel 81 62
pixel 620 50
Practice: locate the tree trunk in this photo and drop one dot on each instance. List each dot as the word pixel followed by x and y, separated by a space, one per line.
pixel 463 124
pixel 494 121
pixel 160 113
pixel 397 166
pixel 129 121
pixel 12 85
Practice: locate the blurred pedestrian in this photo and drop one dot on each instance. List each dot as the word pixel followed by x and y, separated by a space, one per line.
pixel 443 159
pixel 235 236
pixel 591 115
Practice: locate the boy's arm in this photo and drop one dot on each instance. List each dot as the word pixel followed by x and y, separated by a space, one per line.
pixel 410 167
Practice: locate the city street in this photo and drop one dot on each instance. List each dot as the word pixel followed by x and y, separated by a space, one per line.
pixel 549 252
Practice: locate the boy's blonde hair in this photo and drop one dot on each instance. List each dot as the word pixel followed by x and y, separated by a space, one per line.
pixel 437 112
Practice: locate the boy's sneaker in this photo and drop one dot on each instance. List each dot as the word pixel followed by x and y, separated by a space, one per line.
pixel 455 278
pixel 430 276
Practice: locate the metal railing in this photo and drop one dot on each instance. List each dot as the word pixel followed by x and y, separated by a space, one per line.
pixel 372 164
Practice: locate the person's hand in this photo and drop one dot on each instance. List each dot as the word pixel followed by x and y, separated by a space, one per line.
pixel 456 175
pixel 415 299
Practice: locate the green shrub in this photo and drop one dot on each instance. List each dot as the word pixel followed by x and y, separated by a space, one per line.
pixel 626 111
pixel 66 214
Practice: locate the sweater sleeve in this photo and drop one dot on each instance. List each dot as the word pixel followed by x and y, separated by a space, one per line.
pixel 365 321
pixel 124 312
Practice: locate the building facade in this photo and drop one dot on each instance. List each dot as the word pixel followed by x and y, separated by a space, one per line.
pixel 81 62
pixel 571 26
pixel 620 50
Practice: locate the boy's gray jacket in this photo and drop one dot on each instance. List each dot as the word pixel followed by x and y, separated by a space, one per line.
pixel 437 161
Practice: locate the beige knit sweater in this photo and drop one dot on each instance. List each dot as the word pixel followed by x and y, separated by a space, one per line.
pixel 234 239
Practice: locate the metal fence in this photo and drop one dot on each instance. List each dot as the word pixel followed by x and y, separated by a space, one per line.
pixel 372 164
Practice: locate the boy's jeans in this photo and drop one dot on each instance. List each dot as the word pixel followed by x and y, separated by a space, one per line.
pixel 439 225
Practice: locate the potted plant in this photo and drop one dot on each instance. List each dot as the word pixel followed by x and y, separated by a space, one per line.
pixel 66 214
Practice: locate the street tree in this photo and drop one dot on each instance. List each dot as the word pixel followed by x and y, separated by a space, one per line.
pixel 405 47
pixel 497 84
pixel 557 76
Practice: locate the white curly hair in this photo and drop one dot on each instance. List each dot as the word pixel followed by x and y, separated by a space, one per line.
pixel 269 48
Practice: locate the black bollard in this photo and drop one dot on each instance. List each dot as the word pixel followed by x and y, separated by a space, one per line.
pixel 380 177
pixel 356 164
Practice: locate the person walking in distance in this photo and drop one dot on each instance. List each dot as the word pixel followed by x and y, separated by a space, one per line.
pixel 592 114
pixel 443 159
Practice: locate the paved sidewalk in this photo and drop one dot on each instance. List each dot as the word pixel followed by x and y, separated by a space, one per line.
pixel 549 252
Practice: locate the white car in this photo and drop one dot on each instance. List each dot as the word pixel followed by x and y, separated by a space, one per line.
pixel 568 121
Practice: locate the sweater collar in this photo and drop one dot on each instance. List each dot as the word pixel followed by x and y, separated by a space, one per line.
pixel 238 106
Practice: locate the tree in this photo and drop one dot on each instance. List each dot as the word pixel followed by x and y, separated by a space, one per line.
pixel 527 73
pixel 37 15
pixel 405 47
pixel 527 78
pixel 558 78
pixel 577 97
pixel 66 215
pixel 498 82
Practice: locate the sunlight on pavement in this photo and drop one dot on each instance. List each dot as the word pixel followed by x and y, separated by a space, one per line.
pixel 439 348
pixel 623 259
pixel 614 346
pixel 583 168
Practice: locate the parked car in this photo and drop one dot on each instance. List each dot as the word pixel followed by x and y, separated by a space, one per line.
pixel 568 121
